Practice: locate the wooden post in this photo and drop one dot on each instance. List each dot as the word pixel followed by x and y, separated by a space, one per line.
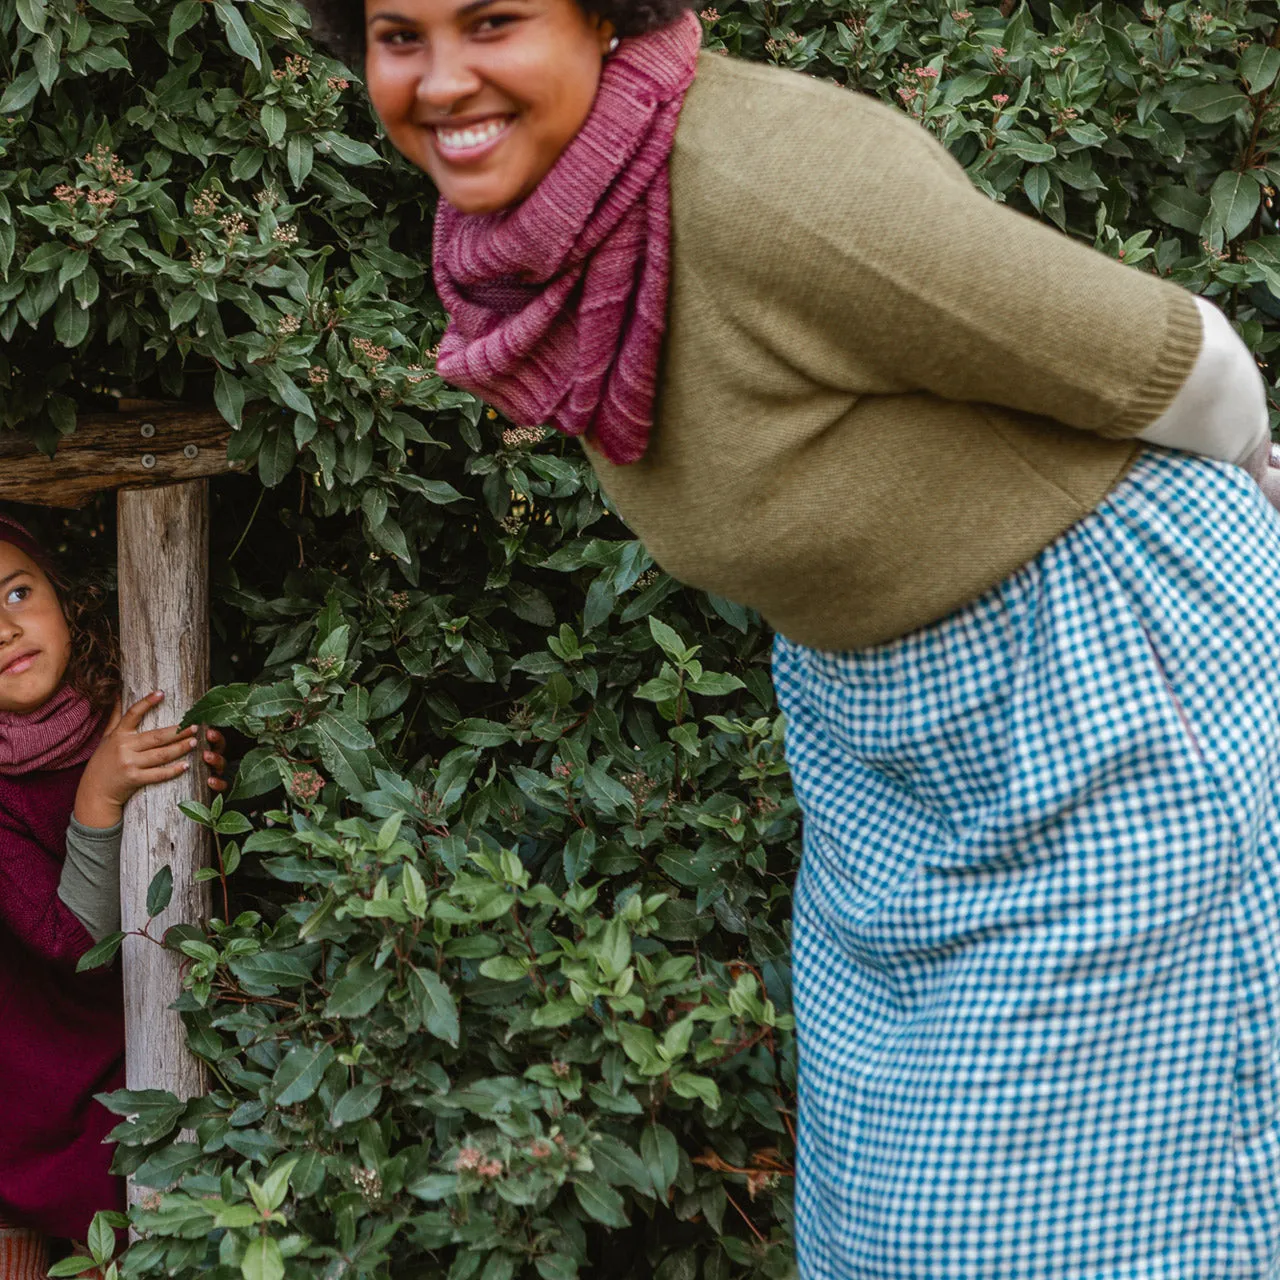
pixel 163 564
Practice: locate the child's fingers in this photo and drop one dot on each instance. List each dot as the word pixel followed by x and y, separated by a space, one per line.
pixel 163 737
pixel 163 754
pixel 215 739
pixel 216 762
pixel 217 784
pixel 161 773
pixel 132 718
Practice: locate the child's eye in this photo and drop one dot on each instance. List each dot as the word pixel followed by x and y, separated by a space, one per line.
pixel 397 39
pixel 494 22
pixel 16 595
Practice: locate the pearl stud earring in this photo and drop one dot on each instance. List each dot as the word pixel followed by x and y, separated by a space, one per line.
pixel 614 43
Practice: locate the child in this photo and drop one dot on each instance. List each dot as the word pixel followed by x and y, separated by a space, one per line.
pixel 69 761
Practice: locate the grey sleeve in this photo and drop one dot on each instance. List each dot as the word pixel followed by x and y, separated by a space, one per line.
pixel 90 884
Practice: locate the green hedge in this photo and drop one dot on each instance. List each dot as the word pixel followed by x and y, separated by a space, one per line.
pixel 503 989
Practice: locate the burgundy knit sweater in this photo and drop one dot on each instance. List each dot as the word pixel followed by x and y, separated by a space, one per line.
pixel 61 1033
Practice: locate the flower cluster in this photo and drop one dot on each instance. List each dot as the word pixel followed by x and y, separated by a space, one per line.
pixel 376 356
pixel 776 48
pixel 710 16
pixel 472 1160
pixel 307 784
pixel 338 84
pixel 317 375
pixel 205 205
pixel 519 437
pixel 285 235
pixel 233 225
pixel 368 1182
pixel 295 67
pixel 106 164
pixel 288 326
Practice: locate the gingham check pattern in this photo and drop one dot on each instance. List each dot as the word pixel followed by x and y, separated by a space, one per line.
pixel 1037 923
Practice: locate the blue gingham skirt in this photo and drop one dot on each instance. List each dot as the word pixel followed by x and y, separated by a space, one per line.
pixel 1037 924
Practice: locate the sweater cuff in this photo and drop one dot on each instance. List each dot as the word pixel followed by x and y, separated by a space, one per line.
pixel 90 883
pixel 1183 337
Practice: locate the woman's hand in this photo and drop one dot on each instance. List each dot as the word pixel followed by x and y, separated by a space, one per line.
pixel 128 759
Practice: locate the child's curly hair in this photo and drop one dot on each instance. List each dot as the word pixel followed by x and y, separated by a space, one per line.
pixel 339 24
pixel 94 667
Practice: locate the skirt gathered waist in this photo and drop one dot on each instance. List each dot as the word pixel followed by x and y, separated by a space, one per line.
pixel 1037 923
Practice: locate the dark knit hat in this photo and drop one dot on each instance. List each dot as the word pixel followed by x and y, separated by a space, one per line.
pixel 20 536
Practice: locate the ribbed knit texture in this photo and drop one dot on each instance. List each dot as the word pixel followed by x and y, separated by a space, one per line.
pixel 557 306
pixel 62 1040
pixel 24 1253
pixel 65 731
pixel 882 392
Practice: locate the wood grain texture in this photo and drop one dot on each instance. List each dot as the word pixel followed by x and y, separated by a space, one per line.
pixel 109 451
pixel 164 635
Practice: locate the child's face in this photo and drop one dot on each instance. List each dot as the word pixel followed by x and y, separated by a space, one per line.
pixel 35 644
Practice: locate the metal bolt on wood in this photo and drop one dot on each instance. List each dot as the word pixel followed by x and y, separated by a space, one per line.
pixel 148 429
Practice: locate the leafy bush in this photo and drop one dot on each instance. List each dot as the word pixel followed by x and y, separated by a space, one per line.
pixel 497 985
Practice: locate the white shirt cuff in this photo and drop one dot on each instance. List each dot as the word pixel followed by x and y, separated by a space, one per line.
pixel 1221 410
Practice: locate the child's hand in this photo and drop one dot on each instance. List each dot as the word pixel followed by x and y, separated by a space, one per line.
pixel 214 758
pixel 128 759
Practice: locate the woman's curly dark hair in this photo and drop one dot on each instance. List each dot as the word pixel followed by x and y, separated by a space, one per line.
pixel 339 24
pixel 94 666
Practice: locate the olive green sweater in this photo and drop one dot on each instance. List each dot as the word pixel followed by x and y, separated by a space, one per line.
pixel 881 391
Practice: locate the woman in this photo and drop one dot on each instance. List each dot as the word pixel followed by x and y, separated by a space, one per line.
pixel 1037 917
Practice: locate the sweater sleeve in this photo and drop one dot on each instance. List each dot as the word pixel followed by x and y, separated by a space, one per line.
pixel 30 907
pixel 869 260
pixel 1221 411
pixel 90 883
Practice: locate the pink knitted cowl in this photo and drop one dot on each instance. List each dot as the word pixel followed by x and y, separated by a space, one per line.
pixel 557 305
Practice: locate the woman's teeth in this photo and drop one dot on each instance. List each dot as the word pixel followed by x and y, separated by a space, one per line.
pixel 467 139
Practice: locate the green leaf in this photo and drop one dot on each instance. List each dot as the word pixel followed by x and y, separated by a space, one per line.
pixel 1259 66
pixel 667 639
pixel 32 14
pixel 185 15
pixel 1235 198
pixel 299 155
pixel 358 1103
pixel 600 1201
pixel 274 122
pixel 689 1085
pixel 436 1004
pixel 347 150
pixel 298 1076
pixel 358 991
pixel 661 1156
pixel 262 1260
pixel 159 891
pixel 276 457
pixel 481 733
pixel 102 1240
pixel 20 92
pixel 275 968
pixel 242 42
pixel 1211 103
pixel 1180 207
pixel 619 1165
pixel 101 954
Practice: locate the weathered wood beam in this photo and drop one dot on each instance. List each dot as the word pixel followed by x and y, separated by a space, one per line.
pixel 162 444
pixel 163 572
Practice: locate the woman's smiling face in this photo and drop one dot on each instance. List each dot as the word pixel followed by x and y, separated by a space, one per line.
pixel 483 95
pixel 35 642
